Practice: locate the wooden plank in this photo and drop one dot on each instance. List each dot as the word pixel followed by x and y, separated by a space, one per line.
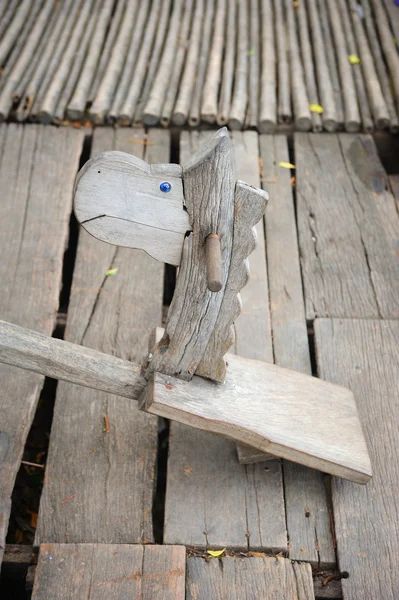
pixel 348 228
pixel 109 474
pixel 308 520
pixel 227 504
pixel 249 578
pixel 110 571
pixel 60 359
pixel 364 355
pixel 273 409
pixel 37 172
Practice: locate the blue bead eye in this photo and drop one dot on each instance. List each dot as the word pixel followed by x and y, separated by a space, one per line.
pixel 165 186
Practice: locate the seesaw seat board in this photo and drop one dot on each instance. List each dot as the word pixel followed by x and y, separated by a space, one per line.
pixel 288 414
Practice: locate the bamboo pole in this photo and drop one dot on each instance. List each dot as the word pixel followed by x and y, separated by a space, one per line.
pixel 19 46
pixel 308 65
pixel 302 116
pixel 130 63
pixel 11 34
pixel 380 65
pixel 284 113
pixel 388 45
pixel 54 53
pixel 23 82
pixel 7 15
pixel 329 116
pixel 331 61
pixel 77 104
pixel 222 116
pixel 181 54
pixel 154 62
pixel 376 98
pixel 56 86
pixel 182 106
pixel 24 58
pixel 78 61
pixel 239 100
pixel 352 50
pixel 268 109
pixel 195 109
pixel 129 105
pixel 254 64
pixel 111 36
pixel 103 100
pixel 392 11
pixel 351 109
pixel 209 106
pixel 156 98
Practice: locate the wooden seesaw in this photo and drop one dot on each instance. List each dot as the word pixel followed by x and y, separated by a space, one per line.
pixel 199 218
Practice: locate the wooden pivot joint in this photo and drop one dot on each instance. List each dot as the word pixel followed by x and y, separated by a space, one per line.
pixel 213 263
pixel 200 218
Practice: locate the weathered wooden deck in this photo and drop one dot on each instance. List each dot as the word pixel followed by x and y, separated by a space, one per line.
pixel 325 276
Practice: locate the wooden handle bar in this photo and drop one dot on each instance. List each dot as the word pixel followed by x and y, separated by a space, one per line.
pixel 58 359
pixel 213 263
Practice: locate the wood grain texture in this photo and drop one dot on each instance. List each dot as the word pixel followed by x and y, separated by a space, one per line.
pixel 253 333
pixel 249 578
pixel 272 409
pixel 58 359
pixel 348 228
pixel 308 520
pixel 364 355
pixel 110 474
pixel 209 197
pixel 110 572
pixel 37 170
pixel 118 199
pixel 203 468
pixel 249 207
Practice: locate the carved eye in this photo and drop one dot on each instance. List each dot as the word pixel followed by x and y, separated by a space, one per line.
pixel 165 186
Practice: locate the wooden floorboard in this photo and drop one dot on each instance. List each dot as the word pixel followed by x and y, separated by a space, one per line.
pixel 249 578
pixel 37 171
pixel 348 228
pixel 110 572
pixel 364 355
pixel 225 503
pixel 308 520
pixel 108 476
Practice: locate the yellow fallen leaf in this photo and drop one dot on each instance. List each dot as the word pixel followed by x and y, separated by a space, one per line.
pixel 295 4
pixel 316 108
pixel 216 553
pixel 286 165
pixel 354 59
pixel 111 272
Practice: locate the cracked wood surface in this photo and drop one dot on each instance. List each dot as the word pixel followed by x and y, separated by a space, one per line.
pixel 225 503
pixel 37 170
pixel 348 228
pixel 250 578
pixel 308 520
pixel 209 184
pixel 364 355
pixel 249 208
pixel 109 474
pixel 110 572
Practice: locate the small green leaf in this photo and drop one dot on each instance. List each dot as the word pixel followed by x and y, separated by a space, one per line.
pixel 251 52
pixel 111 272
